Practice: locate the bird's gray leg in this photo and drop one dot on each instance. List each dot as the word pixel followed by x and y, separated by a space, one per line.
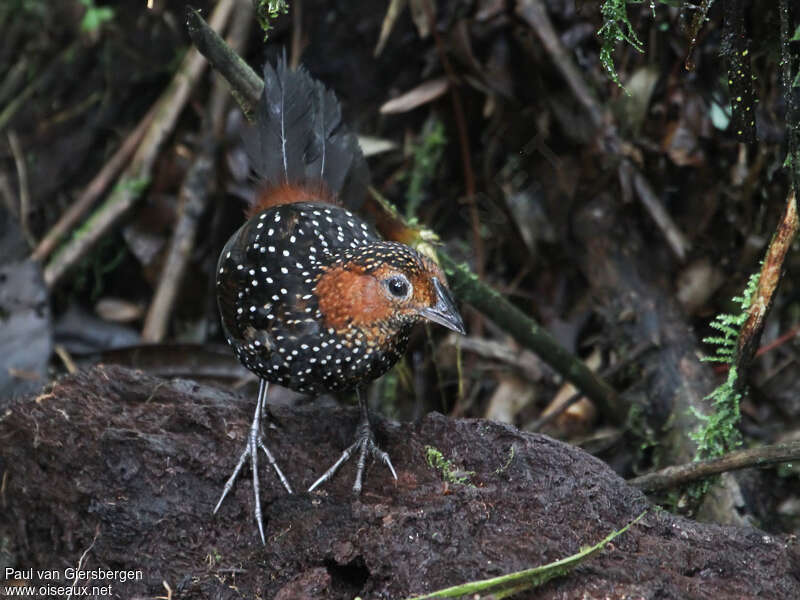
pixel 254 442
pixel 365 443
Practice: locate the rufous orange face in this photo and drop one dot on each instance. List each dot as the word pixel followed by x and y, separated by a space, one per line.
pixel 352 295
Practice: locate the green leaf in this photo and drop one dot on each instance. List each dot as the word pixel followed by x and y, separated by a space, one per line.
pixel 95 16
pixel 505 585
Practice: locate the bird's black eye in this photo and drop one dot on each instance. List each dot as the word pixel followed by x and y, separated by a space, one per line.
pixel 398 287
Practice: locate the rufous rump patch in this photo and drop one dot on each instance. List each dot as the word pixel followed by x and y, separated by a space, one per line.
pixel 288 193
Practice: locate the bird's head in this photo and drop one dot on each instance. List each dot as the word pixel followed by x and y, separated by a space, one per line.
pixel 383 288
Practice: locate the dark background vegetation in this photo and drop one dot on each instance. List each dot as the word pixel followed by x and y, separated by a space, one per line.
pixel 518 182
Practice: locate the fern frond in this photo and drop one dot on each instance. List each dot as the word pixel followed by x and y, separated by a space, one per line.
pixel 719 430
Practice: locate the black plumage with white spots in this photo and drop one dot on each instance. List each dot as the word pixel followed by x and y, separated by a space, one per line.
pixel 266 280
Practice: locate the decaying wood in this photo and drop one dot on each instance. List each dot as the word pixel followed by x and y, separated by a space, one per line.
pixel 131 466
pixel 623 271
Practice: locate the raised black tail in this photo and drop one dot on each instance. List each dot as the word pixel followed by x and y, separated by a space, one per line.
pixel 299 139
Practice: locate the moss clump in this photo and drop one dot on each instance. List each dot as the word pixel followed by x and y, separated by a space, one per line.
pixel 450 474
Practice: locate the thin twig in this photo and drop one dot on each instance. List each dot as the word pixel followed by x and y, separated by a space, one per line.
pixel 66 358
pixel 297 33
pixel 246 84
pixel 137 176
pixel 676 240
pixel 739 459
pixel 52 71
pixel 194 196
pixel 16 75
pixel 534 13
pixel 24 189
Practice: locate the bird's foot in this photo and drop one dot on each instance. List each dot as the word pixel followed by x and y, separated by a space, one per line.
pixel 251 450
pixel 254 442
pixel 364 444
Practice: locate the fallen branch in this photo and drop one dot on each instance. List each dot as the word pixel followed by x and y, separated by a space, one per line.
pixel 739 459
pixel 194 196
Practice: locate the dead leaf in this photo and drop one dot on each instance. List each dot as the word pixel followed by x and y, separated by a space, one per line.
pixel 118 310
pixel 422 94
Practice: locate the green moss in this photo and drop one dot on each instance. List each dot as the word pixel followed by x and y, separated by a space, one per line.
pixel 427 154
pixel 511 453
pixel 616 28
pixel 269 10
pixel 450 474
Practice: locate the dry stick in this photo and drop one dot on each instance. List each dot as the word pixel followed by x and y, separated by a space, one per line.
pixel 297 34
pixel 24 189
pixel 94 190
pixel 136 177
pixel 739 459
pixel 535 14
pixel 464 282
pixel 768 282
pixel 194 195
pixel 675 238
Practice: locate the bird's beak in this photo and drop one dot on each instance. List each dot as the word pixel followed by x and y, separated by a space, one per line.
pixel 444 312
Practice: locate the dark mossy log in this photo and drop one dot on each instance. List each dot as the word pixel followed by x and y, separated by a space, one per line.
pixel 131 466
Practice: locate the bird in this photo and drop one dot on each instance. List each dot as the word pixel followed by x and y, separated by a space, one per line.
pixel 310 296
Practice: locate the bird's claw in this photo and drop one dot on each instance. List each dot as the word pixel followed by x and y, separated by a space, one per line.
pixel 254 442
pixel 365 444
